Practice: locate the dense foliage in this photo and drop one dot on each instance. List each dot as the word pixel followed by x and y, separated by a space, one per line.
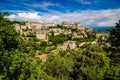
pixel 16 62
pixel 114 38
pixel 114 49
pixel 59 38
pixel 9 38
pixel 18 59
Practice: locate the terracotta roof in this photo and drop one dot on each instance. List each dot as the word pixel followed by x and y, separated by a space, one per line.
pixel 43 57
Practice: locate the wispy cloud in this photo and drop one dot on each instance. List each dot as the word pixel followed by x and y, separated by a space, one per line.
pixel 88 18
pixel 42 5
pixel 84 2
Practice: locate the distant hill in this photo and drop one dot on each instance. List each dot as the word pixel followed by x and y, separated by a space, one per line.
pixel 102 29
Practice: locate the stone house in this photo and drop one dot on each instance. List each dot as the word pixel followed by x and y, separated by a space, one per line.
pixel 56 31
pixel 64 23
pixel 76 35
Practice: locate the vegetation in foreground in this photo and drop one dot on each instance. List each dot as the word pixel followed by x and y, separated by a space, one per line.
pixel 89 62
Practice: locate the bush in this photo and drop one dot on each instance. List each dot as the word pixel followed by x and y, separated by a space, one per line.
pixel 30 35
pixel 43 44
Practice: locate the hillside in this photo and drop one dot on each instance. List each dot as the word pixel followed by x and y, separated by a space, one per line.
pixel 39 51
pixel 102 29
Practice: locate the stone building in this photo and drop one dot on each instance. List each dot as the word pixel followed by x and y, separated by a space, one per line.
pixel 68 44
pixel 65 24
pixel 75 25
pixel 20 28
pixel 39 29
pixel 56 31
pixel 17 27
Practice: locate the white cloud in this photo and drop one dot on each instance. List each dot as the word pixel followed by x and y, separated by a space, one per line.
pixel 43 5
pixel 86 17
pixel 28 16
pixel 84 2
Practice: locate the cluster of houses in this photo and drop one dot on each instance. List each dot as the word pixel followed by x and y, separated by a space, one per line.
pixel 42 30
pixel 39 29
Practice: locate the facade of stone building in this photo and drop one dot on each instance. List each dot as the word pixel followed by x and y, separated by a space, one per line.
pixel 66 24
pixel 20 28
pixel 75 35
pixel 39 25
pixel 17 27
pixel 75 25
pixel 68 44
pixel 56 31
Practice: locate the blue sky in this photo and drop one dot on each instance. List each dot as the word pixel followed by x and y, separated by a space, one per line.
pixel 89 12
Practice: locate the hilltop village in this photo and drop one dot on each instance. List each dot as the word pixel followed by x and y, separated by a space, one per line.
pixel 43 31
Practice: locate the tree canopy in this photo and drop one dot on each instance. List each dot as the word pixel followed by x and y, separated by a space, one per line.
pixel 114 37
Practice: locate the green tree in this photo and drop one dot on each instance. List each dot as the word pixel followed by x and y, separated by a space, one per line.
pixel 43 44
pixel 19 66
pixel 9 38
pixel 58 66
pixel 114 40
pixel 90 63
pixel 15 62
pixel 114 37
pixel 113 73
pixel 59 38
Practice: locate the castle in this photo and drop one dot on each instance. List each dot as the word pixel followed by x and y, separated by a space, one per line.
pixel 75 25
